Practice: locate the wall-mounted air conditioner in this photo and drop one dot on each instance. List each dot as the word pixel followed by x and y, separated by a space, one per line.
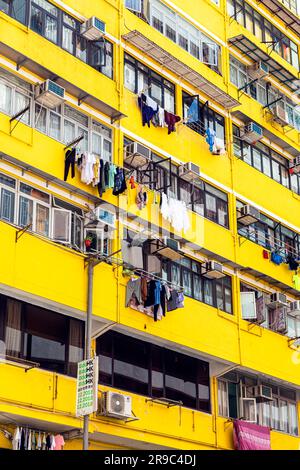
pixel 252 133
pixel 136 155
pixel 189 171
pixel 248 215
pixel 93 29
pixel 105 217
pixel 49 94
pixel 277 300
pixel 280 115
pixel 258 70
pixel 260 392
pixel 115 405
pixel 294 308
pixel 294 165
pixel 212 270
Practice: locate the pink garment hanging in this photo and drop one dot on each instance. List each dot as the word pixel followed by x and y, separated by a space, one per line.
pixel 250 436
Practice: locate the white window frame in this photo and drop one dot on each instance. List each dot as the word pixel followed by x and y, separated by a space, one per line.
pixel 131 5
pixel 12 190
pixel 35 202
pixel 190 32
pixel 69 237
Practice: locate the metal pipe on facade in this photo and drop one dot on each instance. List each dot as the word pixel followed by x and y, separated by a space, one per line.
pixel 88 341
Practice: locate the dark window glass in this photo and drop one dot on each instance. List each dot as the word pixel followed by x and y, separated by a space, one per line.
pixel 39 335
pixel 181 378
pixel 233 400
pixel 140 367
pixel 131 366
pixel 105 353
pixel 157 372
pixel 45 338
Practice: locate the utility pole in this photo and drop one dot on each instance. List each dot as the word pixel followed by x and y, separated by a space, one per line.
pixel 88 340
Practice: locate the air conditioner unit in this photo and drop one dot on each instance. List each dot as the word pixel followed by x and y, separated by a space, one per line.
pixel 171 243
pixel 105 216
pixel 258 70
pixel 49 94
pixel 252 133
pixel 212 270
pixel 260 392
pixel 136 155
pixel 167 247
pixel 189 171
pixel 294 165
pixel 115 405
pixel 277 300
pixel 294 310
pixel 248 215
pixel 93 29
pixel 280 115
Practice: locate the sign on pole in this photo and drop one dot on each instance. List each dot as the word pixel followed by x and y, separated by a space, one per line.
pixel 87 387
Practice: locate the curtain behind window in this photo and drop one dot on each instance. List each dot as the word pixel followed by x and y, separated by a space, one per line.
pixel 13 328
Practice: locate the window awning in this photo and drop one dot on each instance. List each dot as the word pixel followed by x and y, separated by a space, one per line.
pixel 272 281
pixel 251 50
pixel 283 144
pixel 291 19
pixel 175 65
pixel 82 96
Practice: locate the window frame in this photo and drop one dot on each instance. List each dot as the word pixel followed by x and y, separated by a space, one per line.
pixel 150 349
pixel 152 78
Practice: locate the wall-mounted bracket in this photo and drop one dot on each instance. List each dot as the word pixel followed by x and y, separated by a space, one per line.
pixel 165 402
pixel 74 142
pixel 17 117
pixel 21 231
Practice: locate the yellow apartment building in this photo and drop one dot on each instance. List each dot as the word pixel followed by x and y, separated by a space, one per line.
pixel 159 139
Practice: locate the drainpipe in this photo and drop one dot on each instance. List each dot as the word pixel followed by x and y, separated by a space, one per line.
pixel 88 341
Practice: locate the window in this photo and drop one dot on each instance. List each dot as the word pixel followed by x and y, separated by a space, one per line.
pixel 22 204
pixel 280 413
pixel 200 197
pixel 140 78
pixel 134 5
pixel 199 116
pixel 186 273
pixel 62 29
pixel 39 335
pixel 176 28
pixel 7 201
pixel 63 123
pixel 244 14
pixel 265 160
pixel 140 367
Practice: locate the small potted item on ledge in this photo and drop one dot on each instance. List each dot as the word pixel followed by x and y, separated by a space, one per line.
pixel 88 242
